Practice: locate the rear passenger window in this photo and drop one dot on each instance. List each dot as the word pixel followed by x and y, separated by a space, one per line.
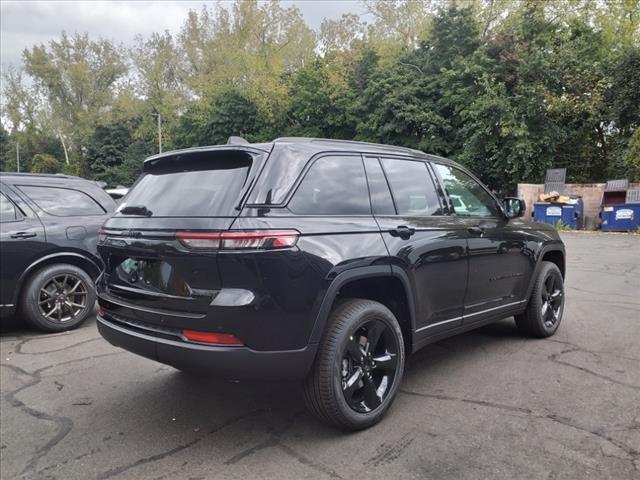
pixel 8 211
pixel 333 185
pixel 412 187
pixel 62 202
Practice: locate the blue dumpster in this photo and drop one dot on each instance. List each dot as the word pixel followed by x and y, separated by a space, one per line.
pixel 620 207
pixel 570 214
pixel 620 218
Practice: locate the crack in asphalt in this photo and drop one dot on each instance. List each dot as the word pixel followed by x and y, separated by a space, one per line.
pixel 554 358
pixel 153 458
pixel 632 452
pixel 64 424
pixel 482 403
pixel 568 422
pixel 159 456
pixel 275 441
pixel 18 348
pixel 588 350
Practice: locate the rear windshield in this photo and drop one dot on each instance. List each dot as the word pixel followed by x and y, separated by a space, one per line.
pixel 203 184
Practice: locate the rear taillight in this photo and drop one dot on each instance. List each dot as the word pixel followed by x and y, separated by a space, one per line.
pixel 259 239
pixel 211 337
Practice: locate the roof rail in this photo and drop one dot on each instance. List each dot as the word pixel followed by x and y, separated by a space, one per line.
pixel 233 140
pixel 381 146
pixel 29 174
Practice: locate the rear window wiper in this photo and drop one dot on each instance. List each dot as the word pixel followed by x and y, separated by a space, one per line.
pixel 136 210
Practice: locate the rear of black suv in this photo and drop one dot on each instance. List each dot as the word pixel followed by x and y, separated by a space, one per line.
pixel 184 286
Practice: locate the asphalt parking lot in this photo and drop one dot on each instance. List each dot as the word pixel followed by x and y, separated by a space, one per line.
pixel 488 404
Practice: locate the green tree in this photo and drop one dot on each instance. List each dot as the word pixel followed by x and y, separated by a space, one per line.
pixel 45 163
pixel 113 155
pixel 77 76
pixel 213 122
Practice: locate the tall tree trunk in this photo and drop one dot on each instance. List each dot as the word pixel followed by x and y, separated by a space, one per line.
pixel 64 148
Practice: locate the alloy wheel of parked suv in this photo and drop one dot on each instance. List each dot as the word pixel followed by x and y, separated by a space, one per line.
pixel 59 297
pixel 544 311
pixel 359 365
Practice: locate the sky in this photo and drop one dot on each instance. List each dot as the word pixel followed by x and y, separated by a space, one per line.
pixel 26 23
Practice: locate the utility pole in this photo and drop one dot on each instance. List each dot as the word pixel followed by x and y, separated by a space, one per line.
pixel 159 134
pixel 17 156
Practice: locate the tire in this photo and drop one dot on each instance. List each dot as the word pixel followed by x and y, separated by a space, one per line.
pixel 345 360
pixel 67 289
pixel 544 311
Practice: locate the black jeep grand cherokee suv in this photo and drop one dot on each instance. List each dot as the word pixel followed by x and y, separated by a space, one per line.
pixel 321 260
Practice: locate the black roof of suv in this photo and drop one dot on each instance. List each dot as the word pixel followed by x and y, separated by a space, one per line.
pixel 323 260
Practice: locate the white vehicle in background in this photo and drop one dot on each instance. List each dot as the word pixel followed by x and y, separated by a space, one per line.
pixel 117 193
pixel 458 205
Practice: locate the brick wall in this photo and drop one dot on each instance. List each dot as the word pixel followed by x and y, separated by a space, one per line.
pixel 591 194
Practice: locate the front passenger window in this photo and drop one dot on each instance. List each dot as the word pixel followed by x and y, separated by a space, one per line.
pixel 468 198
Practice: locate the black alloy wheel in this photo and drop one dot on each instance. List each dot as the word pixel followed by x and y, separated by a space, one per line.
pixel 58 297
pixel 63 298
pixel 358 367
pixel 543 313
pixel 551 295
pixel 369 366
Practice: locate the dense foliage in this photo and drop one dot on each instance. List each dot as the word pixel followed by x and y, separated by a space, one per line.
pixel 508 88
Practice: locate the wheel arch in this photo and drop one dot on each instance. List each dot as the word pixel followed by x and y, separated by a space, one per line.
pixel 80 260
pixel 554 253
pixel 556 256
pixel 388 285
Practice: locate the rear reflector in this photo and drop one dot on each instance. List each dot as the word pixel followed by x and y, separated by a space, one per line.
pixel 210 337
pixel 259 239
pixel 101 311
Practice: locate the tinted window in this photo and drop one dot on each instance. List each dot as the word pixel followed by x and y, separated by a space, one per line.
pixel 333 186
pixel 8 210
pixel 468 197
pixel 413 190
pixel 199 185
pixel 62 202
pixel 381 200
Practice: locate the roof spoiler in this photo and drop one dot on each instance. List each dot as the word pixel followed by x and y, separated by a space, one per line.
pixel 233 140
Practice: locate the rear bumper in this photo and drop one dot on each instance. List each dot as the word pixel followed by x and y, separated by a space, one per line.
pixel 239 363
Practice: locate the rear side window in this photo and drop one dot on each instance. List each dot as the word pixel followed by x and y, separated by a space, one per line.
pixel 205 184
pixel 62 202
pixel 412 187
pixel 8 211
pixel 334 185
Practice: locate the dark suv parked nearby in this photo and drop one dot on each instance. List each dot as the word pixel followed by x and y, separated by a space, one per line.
pixel 48 261
pixel 321 260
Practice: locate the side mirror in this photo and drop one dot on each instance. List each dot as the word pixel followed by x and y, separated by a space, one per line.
pixel 513 207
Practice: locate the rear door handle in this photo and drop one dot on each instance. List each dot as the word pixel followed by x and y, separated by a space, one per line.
pixel 476 230
pixel 402 231
pixel 24 235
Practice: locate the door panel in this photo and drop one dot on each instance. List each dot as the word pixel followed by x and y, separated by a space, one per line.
pixel 499 265
pixel 428 245
pixel 434 258
pixel 498 256
pixel 22 241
